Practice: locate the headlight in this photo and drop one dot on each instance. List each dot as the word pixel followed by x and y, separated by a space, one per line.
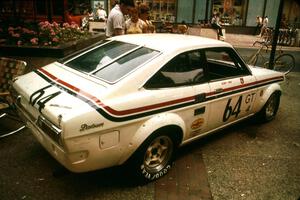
pixel 50 129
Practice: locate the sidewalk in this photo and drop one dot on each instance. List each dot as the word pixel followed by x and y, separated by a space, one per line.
pixel 246 41
pixel 237 40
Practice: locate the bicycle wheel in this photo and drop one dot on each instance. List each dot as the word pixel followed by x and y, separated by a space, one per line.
pixel 253 60
pixel 284 63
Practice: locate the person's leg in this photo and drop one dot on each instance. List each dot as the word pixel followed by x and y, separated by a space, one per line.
pixel 256 30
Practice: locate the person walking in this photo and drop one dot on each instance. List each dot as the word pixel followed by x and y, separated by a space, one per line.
pixel 116 21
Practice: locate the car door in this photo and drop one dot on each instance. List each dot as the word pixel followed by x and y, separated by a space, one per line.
pixel 232 95
pixel 182 81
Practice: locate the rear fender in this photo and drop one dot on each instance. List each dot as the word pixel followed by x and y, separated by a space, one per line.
pixel 149 127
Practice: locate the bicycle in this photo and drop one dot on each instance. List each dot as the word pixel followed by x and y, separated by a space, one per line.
pixel 283 62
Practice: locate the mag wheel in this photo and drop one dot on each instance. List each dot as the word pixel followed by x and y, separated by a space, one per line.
pixel 155 157
pixel 284 63
pixel 270 108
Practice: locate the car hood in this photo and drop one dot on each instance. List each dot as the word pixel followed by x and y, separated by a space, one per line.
pixel 59 94
pixel 263 73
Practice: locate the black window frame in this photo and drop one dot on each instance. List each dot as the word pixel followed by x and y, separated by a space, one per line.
pixel 236 59
pixel 158 75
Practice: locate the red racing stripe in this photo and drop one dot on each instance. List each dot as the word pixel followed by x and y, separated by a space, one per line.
pixel 98 102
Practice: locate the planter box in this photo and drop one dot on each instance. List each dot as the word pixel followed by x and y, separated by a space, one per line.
pixel 56 52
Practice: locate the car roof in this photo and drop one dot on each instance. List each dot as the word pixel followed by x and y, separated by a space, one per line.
pixel 169 42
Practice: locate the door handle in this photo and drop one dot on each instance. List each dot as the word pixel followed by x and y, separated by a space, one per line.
pixel 219 90
pixel 200 97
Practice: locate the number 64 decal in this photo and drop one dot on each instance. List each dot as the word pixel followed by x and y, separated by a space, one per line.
pixel 229 111
pixel 37 97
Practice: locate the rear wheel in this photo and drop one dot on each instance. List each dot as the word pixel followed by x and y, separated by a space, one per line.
pixel 284 63
pixel 155 157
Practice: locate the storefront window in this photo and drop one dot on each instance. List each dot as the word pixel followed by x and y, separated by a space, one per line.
pixel 162 10
pixel 231 11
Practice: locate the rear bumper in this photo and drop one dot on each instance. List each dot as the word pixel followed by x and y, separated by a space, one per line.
pixel 86 154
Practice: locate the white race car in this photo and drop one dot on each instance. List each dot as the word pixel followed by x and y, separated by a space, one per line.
pixel 138 98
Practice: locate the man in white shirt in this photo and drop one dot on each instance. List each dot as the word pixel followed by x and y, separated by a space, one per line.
pixel 116 21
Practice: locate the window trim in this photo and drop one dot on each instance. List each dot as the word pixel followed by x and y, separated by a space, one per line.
pixel 236 60
pixel 175 85
pixel 232 52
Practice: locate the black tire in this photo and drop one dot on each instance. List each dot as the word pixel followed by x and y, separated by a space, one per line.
pixel 269 111
pixel 154 158
pixel 284 63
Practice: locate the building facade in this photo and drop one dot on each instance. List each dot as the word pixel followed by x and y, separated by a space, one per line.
pixel 233 12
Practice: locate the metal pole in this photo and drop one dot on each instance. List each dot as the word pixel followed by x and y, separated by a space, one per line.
pixel 206 12
pixel 275 36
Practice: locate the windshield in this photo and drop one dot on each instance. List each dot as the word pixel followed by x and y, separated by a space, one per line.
pixel 112 61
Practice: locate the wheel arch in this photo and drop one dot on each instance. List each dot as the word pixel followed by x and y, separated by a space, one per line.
pixel 171 122
pixel 265 95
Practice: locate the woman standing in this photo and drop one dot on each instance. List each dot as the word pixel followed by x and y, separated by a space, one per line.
pixel 134 24
pixel 144 15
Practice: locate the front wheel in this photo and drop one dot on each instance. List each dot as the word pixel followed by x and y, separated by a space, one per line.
pixel 270 109
pixel 284 63
pixel 154 158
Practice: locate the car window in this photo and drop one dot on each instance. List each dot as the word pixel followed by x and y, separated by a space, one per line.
pixel 122 66
pixel 100 56
pixel 223 63
pixel 184 69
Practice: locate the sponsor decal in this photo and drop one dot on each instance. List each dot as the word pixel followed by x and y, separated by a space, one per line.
pixel 197 123
pixel 85 127
pixel 242 81
pixel 60 106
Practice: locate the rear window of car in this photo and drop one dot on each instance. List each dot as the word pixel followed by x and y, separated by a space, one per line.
pixel 111 60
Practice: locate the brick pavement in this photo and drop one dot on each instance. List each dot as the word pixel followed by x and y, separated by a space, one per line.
pixel 186 180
